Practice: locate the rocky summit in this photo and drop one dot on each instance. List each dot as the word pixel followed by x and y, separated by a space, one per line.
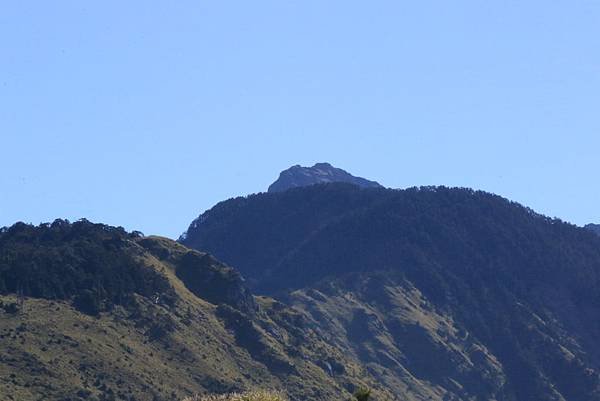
pixel 320 173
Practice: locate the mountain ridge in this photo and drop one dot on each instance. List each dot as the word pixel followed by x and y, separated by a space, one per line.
pixel 523 286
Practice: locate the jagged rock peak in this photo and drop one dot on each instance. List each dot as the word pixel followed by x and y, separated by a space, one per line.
pixel 298 176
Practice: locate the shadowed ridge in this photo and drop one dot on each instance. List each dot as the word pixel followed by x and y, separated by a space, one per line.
pixel 460 289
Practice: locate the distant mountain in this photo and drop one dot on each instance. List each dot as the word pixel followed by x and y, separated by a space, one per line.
pixel 320 173
pixel 442 294
pixel 594 228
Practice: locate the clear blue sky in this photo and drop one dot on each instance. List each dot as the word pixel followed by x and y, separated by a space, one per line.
pixel 144 114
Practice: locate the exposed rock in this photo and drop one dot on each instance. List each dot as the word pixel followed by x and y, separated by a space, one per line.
pixel 320 173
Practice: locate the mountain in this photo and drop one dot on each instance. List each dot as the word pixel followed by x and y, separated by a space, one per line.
pixel 91 312
pixel 594 228
pixel 427 293
pixel 441 293
pixel 298 176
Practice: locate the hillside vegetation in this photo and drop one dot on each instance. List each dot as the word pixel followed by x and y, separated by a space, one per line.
pixel 157 321
pixel 455 290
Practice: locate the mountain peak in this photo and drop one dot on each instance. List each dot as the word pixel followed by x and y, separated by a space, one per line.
pixel 299 176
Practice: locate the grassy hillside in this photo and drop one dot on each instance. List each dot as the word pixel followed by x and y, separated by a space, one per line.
pixel 198 331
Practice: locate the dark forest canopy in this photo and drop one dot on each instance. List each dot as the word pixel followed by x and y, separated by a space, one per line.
pixel 525 286
pixel 93 264
pixel 308 233
pixel 98 266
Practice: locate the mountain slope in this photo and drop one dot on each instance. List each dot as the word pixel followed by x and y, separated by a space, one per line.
pixel 427 283
pixel 320 173
pixel 76 323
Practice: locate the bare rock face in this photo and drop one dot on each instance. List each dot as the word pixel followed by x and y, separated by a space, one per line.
pixel 320 173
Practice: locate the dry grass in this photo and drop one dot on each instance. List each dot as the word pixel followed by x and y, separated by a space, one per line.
pixel 258 395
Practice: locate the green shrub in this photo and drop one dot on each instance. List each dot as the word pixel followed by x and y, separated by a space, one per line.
pixel 362 394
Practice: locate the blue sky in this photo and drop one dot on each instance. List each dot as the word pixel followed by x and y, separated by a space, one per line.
pixel 144 114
